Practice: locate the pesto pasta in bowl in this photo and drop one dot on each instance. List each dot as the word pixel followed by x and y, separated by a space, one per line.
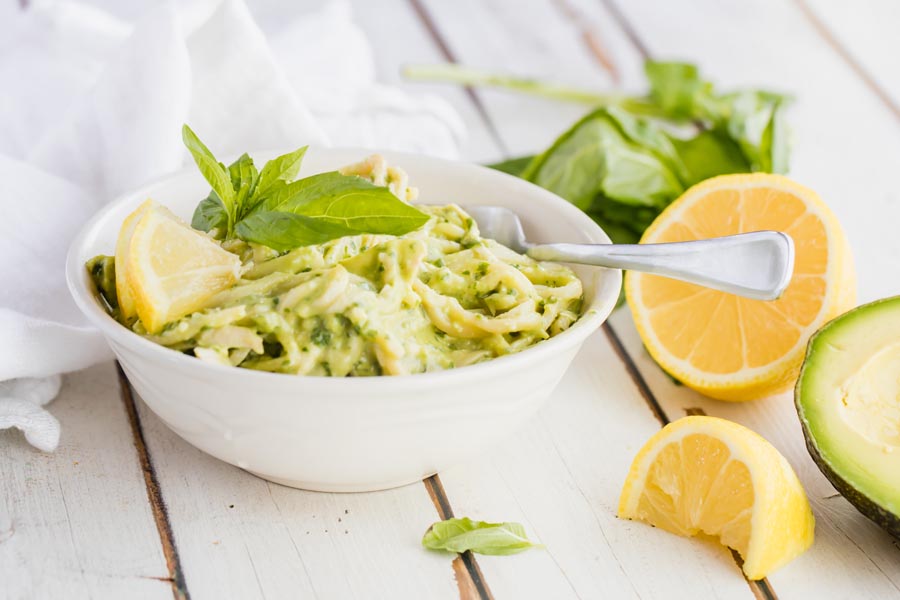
pixel 344 328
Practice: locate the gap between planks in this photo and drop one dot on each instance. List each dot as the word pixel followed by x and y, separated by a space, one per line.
pixel 761 589
pixel 841 50
pixel 425 17
pixel 154 494
pixel 469 577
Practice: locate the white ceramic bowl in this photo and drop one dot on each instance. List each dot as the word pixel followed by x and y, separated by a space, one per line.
pixel 351 434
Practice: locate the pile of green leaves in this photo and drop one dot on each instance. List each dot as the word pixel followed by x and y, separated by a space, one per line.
pixel 273 208
pixel 633 155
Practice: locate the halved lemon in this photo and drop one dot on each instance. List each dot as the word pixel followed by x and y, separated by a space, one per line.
pixel 734 348
pixel 172 270
pixel 707 475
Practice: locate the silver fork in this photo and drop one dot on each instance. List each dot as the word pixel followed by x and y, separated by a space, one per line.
pixel 754 265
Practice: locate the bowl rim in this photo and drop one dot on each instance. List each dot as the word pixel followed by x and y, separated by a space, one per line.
pixel 592 318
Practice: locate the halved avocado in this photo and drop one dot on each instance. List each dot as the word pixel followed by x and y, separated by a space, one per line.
pixel 848 399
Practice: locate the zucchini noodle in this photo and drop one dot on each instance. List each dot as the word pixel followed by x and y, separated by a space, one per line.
pixel 437 298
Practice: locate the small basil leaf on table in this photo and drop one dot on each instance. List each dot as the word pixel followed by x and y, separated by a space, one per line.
pixel 464 534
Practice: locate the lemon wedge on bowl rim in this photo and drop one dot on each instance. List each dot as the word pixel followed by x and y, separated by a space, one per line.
pixel 734 348
pixel 707 475
pixel 169 269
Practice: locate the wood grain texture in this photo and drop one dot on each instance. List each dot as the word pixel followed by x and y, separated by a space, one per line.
pixel 76 523
pixel 862 34
pixel 848 161
pixel 242 537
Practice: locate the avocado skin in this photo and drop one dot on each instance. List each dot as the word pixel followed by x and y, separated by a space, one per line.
pixel 885 519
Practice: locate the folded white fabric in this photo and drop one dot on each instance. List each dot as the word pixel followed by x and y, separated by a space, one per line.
pixel 95 108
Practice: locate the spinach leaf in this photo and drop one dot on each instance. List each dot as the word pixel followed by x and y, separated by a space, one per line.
pixel 625 158
pixel 573 167
pixel 513 166
pixel 461 535
pixel 631 156
pixel 754 120
pixel 677 88
pixel 709 153
pixel 213 171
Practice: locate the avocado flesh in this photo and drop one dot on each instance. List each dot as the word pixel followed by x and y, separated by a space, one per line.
pixel 848 400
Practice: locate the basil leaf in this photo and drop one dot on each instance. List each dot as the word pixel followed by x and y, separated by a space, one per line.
pixel 285 231
pixel 348 201
pixel 244 180
pixel 513 166
pixel 281 169
pixel 212 170
pixel 323 207
pixel 461 535
pixel 210 214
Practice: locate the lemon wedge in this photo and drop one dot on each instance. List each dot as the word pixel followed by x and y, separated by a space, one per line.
pixel 123 292
pixel 170 270
pixel 735 348
pixel 707 475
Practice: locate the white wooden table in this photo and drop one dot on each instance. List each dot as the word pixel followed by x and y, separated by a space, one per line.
pixel 125 509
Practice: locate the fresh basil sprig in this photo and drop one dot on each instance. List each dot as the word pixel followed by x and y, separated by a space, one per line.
pixel 273 208
pixel 629 158
pixel 463 534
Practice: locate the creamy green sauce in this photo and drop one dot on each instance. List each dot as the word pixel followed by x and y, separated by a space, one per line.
pixel 438 298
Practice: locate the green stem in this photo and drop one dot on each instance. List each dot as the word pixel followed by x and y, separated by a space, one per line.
pixel 450 73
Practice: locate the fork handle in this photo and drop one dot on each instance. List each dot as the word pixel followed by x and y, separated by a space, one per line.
pixel 754 265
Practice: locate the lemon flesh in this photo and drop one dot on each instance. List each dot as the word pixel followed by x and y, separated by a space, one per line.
pixel 734 348
pixel 172 270
pixel 707 475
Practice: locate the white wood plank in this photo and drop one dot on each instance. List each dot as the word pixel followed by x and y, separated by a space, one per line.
pixel 562 475
pixel 398 38
pixel 77 523
pixel 846 146
pixel 851 556
pixel 867 31
pixel 241 537
pixel 504 36
pixel 851 162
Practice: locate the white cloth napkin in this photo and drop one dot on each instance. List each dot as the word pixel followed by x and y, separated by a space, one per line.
pixel 92 106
